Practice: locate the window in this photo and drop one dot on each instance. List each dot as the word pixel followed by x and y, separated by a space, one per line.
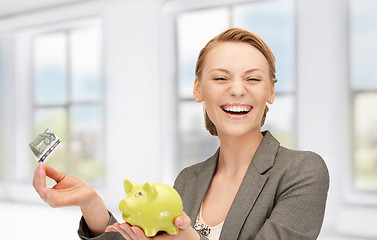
pixel 274 22
pixel 194 30
pixel 363 84
pixel 67 94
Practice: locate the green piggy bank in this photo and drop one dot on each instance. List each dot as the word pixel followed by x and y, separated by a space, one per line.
pixel 151 206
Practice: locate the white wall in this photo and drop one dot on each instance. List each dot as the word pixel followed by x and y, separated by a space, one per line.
pixel 324 112
pixel 132 98
pixel 139 73
pixel 322 93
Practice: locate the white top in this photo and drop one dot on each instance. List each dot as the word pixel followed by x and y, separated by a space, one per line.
pixel 212 233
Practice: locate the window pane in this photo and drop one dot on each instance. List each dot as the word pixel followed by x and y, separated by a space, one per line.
pixel 196 144
pixel 86 142
pixel 86 64
pixel 50 73
pixel 365 141
pixel 274 22
pixel 280 120
pixel 194 30
pixel 363 47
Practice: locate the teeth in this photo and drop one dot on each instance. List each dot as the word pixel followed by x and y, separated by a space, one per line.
pixel 237 108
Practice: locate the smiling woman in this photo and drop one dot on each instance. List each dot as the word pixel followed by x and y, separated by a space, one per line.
pixel 251 188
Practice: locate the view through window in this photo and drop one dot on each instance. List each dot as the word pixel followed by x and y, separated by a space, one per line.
pixel 363 83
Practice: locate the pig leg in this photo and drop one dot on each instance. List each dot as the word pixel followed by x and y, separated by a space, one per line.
pixel 172 230
pixel 150 232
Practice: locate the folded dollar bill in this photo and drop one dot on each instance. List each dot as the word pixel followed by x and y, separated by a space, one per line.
pixel 45 145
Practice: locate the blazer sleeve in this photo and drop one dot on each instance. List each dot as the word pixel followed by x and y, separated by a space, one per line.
pixel 85 234
pixel 300 201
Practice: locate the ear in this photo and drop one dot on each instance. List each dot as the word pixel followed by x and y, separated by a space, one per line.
pixel 196 91
pixel 272 94
pixel 128 185
pixel 151 190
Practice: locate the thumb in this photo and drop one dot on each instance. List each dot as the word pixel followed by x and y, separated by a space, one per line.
pixel 52 173
pixel 183 222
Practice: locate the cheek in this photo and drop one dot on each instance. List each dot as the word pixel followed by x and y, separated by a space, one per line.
pixel 210 105
pixel 209 97
pixel 263 94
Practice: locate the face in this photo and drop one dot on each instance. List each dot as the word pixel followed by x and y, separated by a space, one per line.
pixel 234 86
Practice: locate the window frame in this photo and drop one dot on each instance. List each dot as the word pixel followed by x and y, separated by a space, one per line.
pixel 70 103
pixel 353 195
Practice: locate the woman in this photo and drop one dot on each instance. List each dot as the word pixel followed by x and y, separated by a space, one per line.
pixel 251 188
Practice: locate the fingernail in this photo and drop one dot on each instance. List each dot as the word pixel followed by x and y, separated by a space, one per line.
pixel 122 227
pixel 133 230
pixel 40 169
pixel 110 229
pixel 179 221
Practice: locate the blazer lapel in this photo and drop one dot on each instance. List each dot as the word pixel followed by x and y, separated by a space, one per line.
pixel 250 188
pixel 201 184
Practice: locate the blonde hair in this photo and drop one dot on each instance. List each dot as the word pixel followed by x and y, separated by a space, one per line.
pixel 236 35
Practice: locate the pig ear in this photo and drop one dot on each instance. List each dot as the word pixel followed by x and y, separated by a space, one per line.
pixel 151 190
pixel 128 185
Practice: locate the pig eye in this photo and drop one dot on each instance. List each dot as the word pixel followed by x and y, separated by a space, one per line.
pixel 138 194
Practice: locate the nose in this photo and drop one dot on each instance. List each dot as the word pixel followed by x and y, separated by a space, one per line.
pixel 237 88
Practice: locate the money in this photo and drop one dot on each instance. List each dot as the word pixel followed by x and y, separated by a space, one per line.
pixel 45 145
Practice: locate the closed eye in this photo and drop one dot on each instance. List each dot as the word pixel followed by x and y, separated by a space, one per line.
pixel 253 79
pixel 220 79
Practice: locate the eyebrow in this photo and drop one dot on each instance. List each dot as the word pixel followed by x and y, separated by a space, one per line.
pixel 227 71
pixel 254 70
pixel 219 69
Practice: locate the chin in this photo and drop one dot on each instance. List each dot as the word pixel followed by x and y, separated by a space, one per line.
pixel 239 131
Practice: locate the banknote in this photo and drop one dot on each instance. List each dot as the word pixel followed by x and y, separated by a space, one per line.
pixel 45 145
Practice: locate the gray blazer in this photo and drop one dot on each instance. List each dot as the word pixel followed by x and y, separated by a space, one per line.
pixel 282 196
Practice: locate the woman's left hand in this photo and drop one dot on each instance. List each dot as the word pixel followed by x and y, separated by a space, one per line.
pixel 135 233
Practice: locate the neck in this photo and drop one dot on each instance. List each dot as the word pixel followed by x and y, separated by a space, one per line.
pixel 237 152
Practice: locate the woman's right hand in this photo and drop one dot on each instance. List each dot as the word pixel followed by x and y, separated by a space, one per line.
pixel 136 233
pixel 71 191
pixel 68 191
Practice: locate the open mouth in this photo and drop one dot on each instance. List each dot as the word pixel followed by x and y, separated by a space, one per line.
pixel 236 109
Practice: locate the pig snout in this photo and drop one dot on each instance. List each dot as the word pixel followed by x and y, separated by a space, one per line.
pixel 125 208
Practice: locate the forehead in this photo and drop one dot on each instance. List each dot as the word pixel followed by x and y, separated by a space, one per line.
pixel 235 56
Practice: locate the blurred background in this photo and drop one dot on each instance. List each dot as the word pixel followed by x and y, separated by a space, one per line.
pixel 114 79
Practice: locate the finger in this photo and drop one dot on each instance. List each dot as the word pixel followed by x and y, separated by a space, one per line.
pixel 52 173
pixel 56 198
pixel 39 180
pixel 122 231
pixel 182 222
pixel 139 233
pixel 39 174
pixel 110 228
pixel 131 231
